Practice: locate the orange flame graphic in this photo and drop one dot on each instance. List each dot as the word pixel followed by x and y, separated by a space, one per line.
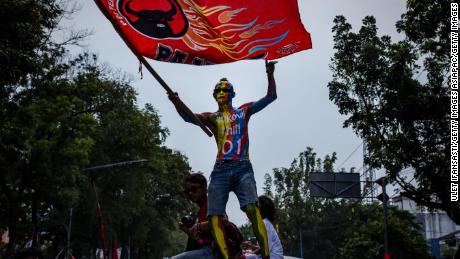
pixel 212 27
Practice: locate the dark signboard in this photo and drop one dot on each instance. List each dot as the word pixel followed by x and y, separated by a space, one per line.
pixel 335 185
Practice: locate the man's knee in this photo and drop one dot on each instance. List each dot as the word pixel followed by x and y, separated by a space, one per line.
pixel 249 208
pixel 216 220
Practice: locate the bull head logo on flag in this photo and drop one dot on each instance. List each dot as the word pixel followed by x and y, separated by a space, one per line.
pixel 155 19
pixel 203 32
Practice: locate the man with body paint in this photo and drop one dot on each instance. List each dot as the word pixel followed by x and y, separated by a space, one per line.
pixel 233 170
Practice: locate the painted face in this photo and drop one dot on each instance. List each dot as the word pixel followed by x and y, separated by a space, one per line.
pixel 223 92
pixel 195 192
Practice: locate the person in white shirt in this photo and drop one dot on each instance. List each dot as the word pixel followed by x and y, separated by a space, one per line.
pixel 267 211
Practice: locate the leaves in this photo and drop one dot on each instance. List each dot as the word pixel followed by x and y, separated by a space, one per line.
pixel 403 118
pixel 340 228
pixel 59 115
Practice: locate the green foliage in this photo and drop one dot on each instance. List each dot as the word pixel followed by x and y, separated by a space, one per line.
pixel 336 228
pixel 44 142
pixel 246 231
pixel 366 239
pixel 59 115
pixel 402 116
pixel 268 185
pixel 25 27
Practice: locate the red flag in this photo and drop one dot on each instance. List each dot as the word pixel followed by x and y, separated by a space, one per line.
pixel 387 255
pixel 203 32
pixel 101 225
pixel 115 249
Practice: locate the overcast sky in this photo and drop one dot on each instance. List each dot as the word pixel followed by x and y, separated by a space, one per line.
pixel 301 116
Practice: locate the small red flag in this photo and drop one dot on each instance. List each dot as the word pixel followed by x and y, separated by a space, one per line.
pixel 387 255
pixel 203 32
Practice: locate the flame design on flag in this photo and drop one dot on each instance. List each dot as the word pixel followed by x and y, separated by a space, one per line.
pixel 211 27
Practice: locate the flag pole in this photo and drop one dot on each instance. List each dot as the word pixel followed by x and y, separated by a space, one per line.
pixel 152 71
pixel 101 223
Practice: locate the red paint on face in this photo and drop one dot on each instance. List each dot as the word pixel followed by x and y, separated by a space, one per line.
pixel 223 92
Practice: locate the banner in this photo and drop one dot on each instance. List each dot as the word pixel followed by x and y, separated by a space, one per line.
pixel 204 32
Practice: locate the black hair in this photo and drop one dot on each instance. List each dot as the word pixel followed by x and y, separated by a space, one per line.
pixel 224 79
pixel 29 252
pixel 196 178
pixel 267 208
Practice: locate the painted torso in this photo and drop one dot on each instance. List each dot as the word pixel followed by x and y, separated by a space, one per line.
pixel 232 133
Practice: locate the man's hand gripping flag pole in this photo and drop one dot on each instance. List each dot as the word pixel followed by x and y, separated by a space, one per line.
pixel 160 80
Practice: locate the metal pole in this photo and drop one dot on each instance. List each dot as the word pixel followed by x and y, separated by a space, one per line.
pixel 372 185
pixel 119 164
pixel 150 68
pixel 129 248
pixel 385 217
pixel 301 245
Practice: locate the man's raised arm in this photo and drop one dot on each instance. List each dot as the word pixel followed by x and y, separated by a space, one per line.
pixel 180 109
pixel 271 91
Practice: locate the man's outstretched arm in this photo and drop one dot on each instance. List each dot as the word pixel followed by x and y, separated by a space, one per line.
pixel 180 109
pixel 271 91
pixel 178 105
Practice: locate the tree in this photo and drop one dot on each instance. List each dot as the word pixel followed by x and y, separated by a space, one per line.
pixel 268 185
pixel 366 239
pixel 73 116
pixel 59 115
pixel 44 143
pixel 298 213
pixel 246 231
pixel 336 228
pixel 140 203
pixel 402 117
pixel 35 128
pixel 25 27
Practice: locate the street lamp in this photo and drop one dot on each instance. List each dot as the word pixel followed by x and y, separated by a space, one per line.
pixel 99 210
pixel 384 198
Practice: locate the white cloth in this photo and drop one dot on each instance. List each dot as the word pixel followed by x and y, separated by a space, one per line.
pixel 274 243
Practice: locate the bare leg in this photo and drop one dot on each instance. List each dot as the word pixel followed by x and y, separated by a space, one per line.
pixel 259 229
pixel 218 232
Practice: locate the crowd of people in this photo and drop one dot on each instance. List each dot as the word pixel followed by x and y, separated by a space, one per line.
pixel 200 243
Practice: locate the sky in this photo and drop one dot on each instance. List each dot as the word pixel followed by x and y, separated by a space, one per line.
pixel 302 115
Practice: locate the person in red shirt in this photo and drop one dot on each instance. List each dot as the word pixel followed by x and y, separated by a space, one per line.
pixel 200 241
pixel 199 234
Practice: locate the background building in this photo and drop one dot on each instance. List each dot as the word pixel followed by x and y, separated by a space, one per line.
pixel 442 233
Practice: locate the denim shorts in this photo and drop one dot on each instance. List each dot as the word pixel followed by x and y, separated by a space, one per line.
pixel 227 176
